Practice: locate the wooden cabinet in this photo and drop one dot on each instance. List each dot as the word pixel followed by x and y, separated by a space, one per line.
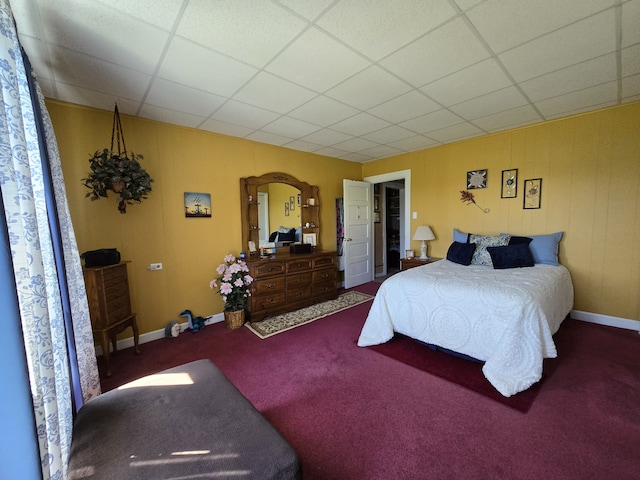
pixel 287 282
pixel 407 263
pixel 110 306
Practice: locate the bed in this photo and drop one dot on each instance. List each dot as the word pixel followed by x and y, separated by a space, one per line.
pixel 502 316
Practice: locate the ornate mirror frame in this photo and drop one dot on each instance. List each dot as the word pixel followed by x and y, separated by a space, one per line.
pixel 310 206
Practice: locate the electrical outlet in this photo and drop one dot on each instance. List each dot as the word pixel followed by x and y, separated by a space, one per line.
pixel 415 215
pixel 155 266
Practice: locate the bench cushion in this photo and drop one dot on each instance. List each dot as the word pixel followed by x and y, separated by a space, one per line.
pixel 180 423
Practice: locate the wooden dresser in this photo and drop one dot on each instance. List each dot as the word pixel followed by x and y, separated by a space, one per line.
pixel 110 306
pixel 287 282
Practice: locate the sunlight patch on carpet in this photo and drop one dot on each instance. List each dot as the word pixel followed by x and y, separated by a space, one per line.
pixel 286 321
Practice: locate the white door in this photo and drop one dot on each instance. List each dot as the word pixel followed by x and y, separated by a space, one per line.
pixel 358 236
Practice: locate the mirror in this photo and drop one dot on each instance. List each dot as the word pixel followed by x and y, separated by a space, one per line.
pixel 276 200
pixel 279 206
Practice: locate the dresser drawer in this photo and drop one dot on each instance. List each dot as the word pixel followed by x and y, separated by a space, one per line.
pixel 300 265
pixel 117 291
pixel 324 260
pixel 266 268
pixel 300 280
pixel 268 286
pixel 324 275
pixel 299 294
pixel 268 302
pixel 324 287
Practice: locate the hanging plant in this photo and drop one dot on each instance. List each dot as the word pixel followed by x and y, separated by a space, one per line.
pixel 117 171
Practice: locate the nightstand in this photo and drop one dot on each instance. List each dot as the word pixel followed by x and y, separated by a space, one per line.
pixel 407 263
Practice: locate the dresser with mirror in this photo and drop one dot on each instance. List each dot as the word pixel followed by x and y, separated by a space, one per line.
pixel 279 211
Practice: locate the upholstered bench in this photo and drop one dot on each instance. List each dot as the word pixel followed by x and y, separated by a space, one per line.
pixel 186 422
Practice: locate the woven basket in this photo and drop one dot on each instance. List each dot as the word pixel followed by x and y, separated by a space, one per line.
pixel 234 319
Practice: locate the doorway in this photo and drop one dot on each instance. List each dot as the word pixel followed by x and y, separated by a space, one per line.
pixel 392 220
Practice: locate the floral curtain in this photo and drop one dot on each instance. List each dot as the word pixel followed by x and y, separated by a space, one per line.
pixel 60 356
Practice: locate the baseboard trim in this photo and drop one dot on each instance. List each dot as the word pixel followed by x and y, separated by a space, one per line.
pixel 607 320
pixel 157 334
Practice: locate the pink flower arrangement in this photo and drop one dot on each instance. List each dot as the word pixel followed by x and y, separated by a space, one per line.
pixel 234 283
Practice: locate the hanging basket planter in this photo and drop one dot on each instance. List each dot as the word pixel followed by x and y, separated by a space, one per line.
pixel 116 170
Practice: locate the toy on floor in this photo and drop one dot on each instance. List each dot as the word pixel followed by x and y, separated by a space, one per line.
pixel 172 330
pixel 195 323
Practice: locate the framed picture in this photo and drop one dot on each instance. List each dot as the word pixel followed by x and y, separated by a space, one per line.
pixel 376 217
pixel 409 254
pixel 477 179
pixel 197 205
pixel 286 209
pixel 292 203
pixel 509 183
pixel 532 193
pixel 309 238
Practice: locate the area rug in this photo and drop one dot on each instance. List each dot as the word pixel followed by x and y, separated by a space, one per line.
pixel 286 321
pixel 465 373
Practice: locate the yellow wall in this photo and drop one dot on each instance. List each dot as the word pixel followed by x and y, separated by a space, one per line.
pixel 179 160
pixel 590 166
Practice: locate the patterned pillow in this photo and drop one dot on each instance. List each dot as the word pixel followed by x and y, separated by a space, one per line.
pixel 481 256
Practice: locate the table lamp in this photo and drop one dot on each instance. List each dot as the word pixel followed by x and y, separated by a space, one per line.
pixel 424 233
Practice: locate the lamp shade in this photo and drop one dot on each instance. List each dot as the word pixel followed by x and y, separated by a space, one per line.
pixel 424 232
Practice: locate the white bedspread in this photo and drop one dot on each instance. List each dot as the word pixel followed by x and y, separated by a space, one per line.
pixel 503 317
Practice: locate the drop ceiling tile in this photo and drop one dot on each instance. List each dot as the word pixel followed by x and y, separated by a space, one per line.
pixel 630 23
pixel 381 151
pixel 576 43
pixel 160 13
pixel 405 107
pixel 303 146
pixel 273 93
pixel 360 124
pixel 455 132
pixel 199 67
pixel 368 88
pixel 487 77
pixel 244 115
pixel 124 40
pixel 412 144
pixel 250 31
pixel 448 49
pixel 432 121
pixel 631 88
pixel 576 77
pixel 316 61
pixel 332 152
pixel 467 4
pixel 323 111
pixel 493 102
pixel 582 100
pixel 269 138
pixel 379 27
pixel 389 134
pixel 506 24
pixel 509 119
pixel 630 60
pixel 74 68
pixel 357 157
pixel 309 9
pixel 327 136
pixel 36 51
pixel 290 127
pixel 180 98
pixel 356 145
pixel 224 128
pixel 165 115
pixel 91 98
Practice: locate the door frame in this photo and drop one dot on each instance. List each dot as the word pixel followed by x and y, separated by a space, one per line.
pixel 405 241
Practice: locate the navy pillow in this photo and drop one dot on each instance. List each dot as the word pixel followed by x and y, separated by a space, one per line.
pixel 519 240
pixel 511 256
pixel 461 253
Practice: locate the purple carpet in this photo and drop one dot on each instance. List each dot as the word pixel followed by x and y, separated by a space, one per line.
pixel 352 413
pixel 465 373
